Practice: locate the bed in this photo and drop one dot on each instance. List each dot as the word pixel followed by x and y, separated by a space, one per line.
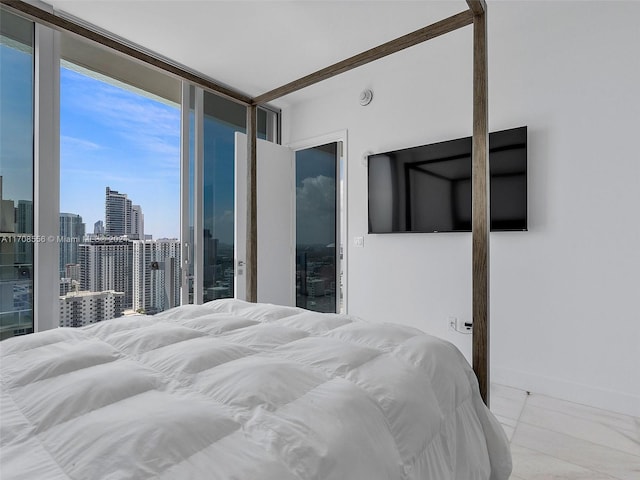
pixel 237 390
pixel 474 15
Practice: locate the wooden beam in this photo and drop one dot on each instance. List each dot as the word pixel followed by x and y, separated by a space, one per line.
pixel 478 7
pixel 480 208
pixel 422 35
pixel 56 22
pixel 252 205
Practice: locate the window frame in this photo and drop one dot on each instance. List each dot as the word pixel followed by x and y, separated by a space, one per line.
pixel 46 169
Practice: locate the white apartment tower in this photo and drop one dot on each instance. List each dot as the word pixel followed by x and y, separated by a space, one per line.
pixel 107 265
pixel 137 223
pixel 117 213
pixel 82 308
pixel 156 275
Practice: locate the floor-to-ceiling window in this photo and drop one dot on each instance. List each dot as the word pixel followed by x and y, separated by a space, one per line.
pixel 109 192
pixel 119 186
pixel 16 175
pixel 119 194
pixel 222 118
pixel 317 252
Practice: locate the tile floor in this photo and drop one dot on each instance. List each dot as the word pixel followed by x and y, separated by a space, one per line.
pixel 553 439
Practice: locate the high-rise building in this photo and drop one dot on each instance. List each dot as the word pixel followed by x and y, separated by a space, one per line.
pixel 122 217
pixel 212 268
pixel 72 271
pixel 71 235
pixel 24 224
pixel 68 285
pixel 142 255
pixel 70 281
pixel 106 264
pixel 7 213
pixel 117 213
pixel 24 216
pixel 16 266
pixel 167 284
pixel 7 249
pixel 98 228
pixel 82 308
pixel 23 291
pixel 137 223
pixel 156 275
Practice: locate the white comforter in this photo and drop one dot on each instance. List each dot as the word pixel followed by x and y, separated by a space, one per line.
pixel 232 390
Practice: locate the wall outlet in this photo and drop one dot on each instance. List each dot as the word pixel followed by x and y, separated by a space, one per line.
pixel 459 325
pixel 358 241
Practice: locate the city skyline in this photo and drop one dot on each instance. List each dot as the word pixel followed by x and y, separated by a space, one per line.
pixel 117 269
pixel 135 230
pixel 112 136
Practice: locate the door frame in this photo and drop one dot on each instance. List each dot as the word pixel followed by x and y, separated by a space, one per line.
pixel 342 225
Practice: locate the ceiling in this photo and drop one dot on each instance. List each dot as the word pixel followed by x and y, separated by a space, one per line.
pixel 256 46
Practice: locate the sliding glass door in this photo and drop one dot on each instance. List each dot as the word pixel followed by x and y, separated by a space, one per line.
pixel 16 175
pixel 222 118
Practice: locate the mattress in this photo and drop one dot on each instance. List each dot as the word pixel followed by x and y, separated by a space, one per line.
pixel 235 390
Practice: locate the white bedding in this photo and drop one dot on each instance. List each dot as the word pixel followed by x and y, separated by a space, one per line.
pixel 233 390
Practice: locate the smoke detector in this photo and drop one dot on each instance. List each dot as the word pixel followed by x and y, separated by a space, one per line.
pixel 365 97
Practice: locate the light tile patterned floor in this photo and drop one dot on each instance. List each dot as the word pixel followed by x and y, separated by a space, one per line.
pixel 553 439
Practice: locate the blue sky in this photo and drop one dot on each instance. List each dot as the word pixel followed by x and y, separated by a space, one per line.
pixel 114 137
pixel 16 121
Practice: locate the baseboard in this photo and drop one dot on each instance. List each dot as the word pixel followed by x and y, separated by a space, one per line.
pixel 573 392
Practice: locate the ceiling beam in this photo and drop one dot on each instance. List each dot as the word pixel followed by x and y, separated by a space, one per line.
pixel 59 23
pixel 478 7
pixel 422 35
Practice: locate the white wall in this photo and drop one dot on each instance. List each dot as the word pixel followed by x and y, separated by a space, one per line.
pixel 565 316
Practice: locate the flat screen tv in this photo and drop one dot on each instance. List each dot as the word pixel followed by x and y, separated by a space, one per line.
pixel 428 188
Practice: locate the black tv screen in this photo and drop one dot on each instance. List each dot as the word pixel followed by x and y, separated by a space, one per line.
pixel 428 188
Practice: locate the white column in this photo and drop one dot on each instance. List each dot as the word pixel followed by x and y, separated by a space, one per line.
pixel 46 177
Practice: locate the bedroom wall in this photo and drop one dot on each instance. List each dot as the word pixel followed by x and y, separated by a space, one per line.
pixel 565 317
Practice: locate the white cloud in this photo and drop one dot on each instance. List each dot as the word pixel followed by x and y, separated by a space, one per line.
pixel 315 206
pixel 77 143
pixel 146 126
